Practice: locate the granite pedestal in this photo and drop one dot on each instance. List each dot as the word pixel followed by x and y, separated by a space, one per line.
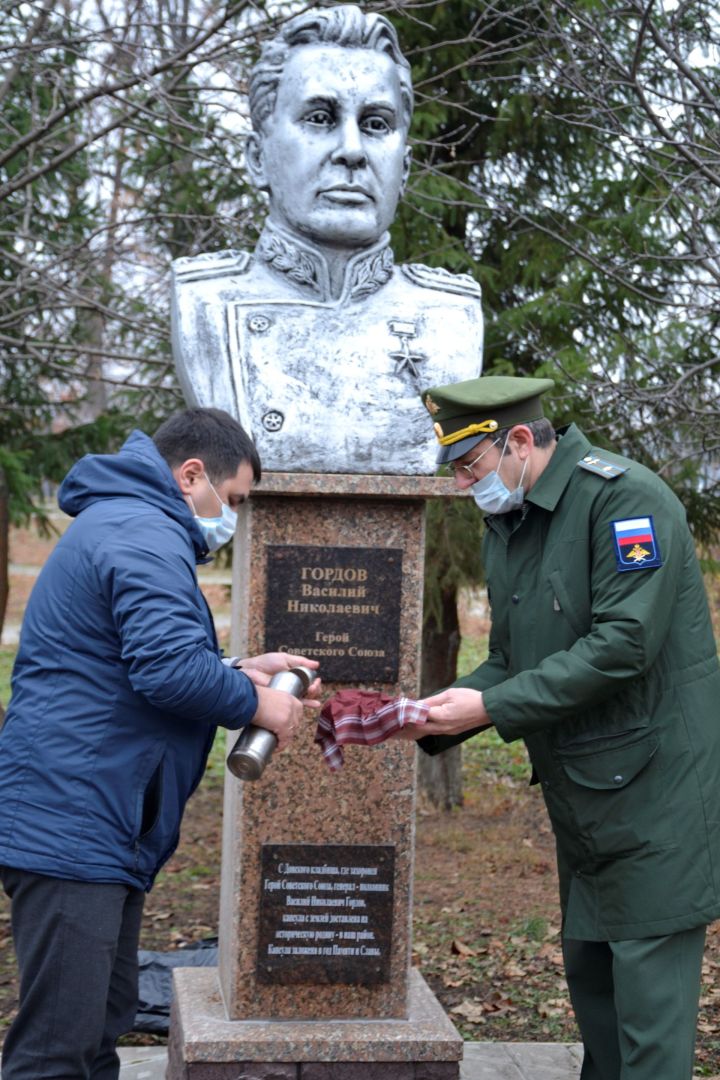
pixel 330 566
pixel 205 1045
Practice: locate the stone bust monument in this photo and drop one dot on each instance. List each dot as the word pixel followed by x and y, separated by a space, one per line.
pixel 316 341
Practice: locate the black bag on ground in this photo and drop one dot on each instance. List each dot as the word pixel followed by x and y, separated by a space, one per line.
pixel 155 981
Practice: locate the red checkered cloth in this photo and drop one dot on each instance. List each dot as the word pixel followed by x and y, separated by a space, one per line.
pixel 364 718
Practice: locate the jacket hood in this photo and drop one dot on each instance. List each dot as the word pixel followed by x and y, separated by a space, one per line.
pixel 137 471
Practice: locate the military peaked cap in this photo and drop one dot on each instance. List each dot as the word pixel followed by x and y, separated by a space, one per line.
pixel 464 413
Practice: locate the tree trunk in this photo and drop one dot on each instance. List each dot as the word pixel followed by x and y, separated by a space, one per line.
pixel 440 777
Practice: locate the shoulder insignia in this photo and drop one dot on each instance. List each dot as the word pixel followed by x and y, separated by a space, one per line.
pixel 606 469
pixel 213 264
pixel 636 546
pixel 436 277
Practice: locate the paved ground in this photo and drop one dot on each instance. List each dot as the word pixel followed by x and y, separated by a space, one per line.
pixel 483 1061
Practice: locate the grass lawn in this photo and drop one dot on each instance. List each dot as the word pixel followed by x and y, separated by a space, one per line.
pixel 7 658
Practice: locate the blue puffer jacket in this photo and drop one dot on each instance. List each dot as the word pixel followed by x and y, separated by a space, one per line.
pixel 118 683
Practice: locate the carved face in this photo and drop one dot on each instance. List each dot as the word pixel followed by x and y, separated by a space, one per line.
pixel 333 154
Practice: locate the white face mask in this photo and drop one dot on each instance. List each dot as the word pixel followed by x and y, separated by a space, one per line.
pixel 216 530
pixel 493 496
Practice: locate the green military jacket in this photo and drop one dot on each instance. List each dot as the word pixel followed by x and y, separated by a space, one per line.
pixel 610 675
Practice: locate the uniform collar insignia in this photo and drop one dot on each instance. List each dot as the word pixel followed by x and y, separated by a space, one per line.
pixel 305 264
pixel 602 467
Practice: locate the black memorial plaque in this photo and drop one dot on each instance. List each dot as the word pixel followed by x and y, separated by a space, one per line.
pixel 340 605
pixel 326 914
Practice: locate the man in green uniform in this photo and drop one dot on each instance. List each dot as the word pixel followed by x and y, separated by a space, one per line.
pixel 602 659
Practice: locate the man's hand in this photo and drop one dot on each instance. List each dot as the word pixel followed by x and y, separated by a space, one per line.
pixel 278 712
pixel 260 669
pixel 270 663
pixel 451 712
pixel 455 710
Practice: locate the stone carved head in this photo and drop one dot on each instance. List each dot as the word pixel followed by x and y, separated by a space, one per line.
pixel 331 101
pixel 346 26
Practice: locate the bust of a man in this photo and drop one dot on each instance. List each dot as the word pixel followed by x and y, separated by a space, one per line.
pixel 316 341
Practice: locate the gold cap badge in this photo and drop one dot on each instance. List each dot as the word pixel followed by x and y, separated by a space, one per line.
pixel 484 428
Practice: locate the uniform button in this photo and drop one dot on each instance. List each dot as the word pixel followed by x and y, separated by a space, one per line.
pixel 515 598
pixel 273 420
pixel 617 779
pixel 578 873
pixel 258 324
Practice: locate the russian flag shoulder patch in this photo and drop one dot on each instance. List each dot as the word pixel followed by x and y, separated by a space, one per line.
pixel 636 546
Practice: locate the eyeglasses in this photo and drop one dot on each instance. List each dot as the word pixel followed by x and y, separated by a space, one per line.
pixel 453 468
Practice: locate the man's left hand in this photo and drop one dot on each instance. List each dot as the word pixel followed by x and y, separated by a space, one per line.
pixel 260 669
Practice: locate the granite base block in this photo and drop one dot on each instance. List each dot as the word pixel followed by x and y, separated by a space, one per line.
pixel 205 1045
pixel 379 1070
pixel 244 1070
pixel 321 1070
pixel 340 1070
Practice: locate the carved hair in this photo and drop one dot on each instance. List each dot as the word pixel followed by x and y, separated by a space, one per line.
pixel 344 25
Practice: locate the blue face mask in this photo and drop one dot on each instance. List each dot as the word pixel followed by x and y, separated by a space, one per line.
pixel 493 496
pixel 217 530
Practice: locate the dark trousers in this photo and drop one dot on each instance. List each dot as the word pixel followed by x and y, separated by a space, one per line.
pixel 76 944
pixel 636 1004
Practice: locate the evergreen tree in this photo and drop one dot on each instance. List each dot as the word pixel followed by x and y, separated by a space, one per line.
pixel 109 161
pixel 567 156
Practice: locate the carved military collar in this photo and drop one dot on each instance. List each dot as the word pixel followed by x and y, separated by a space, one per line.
pixel 305 264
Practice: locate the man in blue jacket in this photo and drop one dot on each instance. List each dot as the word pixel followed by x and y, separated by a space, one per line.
pixel 116 693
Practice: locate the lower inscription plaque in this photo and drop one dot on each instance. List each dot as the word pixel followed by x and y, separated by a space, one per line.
pixel 326 914
pixel 340 605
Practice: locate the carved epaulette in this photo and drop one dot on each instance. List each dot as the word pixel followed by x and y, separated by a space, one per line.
pixel 213 264
pixel 436 277
pixel 607 469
